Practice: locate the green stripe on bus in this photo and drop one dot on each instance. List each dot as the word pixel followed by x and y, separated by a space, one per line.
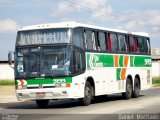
pixel 140 61
pixel 121 60
pixel 39 81
pixel 88 58
pixel 118 73
pixel 16 82
pixel 48 81
pixel 107 60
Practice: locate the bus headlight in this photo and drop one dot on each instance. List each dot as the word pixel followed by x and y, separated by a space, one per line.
pixel 19 87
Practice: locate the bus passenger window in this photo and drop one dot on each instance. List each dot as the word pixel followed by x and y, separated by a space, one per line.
pixel 146 46
pixel 78 62
pixel 132 44
pixel 90 40
pixel 101 41
pixel 78 38
pixel 114 42
pixel 85 41
pixel 122 43
pixel 140 45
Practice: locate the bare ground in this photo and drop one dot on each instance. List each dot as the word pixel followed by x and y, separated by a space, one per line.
pixel 7 94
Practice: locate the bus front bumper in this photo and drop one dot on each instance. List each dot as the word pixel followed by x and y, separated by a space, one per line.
pixel 47 93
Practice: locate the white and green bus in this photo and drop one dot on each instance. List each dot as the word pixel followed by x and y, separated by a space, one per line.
pixel 70 60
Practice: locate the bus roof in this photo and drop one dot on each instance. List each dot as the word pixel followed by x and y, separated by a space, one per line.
pixel 73 24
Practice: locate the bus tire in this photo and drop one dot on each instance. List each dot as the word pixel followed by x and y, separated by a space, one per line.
pixel 128 93
pixel 42 103
pixel 87 95
pixel 136 90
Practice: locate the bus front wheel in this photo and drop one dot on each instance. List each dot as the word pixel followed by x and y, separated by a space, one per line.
pixel 87 94
pixel 128 93
pixel 42 103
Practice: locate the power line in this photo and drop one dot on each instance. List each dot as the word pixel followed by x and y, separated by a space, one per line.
pixel 116 18
pixel 90 10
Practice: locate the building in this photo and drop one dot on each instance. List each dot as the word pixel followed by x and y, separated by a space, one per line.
pixel 6 71
pixel 155 62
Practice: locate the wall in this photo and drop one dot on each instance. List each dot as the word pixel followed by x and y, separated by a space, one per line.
pixel 156 69
pixel 6 72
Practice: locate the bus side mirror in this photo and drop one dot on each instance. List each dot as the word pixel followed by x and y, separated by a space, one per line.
pixel 10 58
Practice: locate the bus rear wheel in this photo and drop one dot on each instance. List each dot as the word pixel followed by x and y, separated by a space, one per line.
pixel 136 90
pixel 42 103
pixel 128 93
pixel 87 95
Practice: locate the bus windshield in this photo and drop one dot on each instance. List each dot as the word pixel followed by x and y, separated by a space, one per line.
pixel 43 61
pixel 43 36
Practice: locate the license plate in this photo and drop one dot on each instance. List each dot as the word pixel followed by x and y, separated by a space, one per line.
pixel 41 94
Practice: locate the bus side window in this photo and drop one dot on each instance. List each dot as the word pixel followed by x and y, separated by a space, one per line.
pixel 132 44
pixel 109 42
pixel 85 41
pixel 102 46
pixel 146 46
pixel 90 40
pixel 122 43
pixel 78 62
pixel 78 37
pixel 140 45
pixel 94 41
pixel 114 42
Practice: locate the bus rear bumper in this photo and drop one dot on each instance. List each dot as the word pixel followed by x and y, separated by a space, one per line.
pixel 49 93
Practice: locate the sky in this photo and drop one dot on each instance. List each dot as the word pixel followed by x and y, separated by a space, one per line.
pixel 129 15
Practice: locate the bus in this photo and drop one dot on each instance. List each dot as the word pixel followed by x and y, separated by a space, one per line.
pixel 70 60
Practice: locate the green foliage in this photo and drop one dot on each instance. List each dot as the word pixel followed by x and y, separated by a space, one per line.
pixel 7 82
pixel 156 82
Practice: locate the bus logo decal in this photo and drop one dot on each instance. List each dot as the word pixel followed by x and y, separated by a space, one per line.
pixel 147 62
pixel 40 86
pixel 59 81
pixel 94 61
pixel 91 60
